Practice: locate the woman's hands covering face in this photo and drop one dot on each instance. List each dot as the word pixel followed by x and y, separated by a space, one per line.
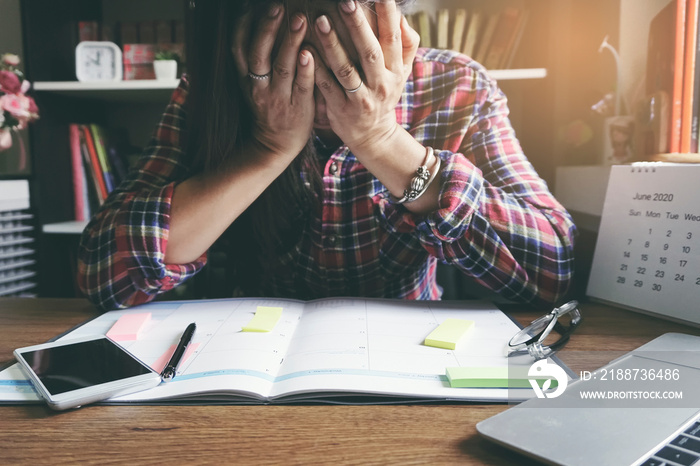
pixel 361 103
pixel 360 100
pixel 280 88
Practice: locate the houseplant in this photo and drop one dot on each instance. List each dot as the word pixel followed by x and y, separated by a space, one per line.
pixel 165 64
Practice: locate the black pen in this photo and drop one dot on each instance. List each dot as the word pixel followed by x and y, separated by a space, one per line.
pixel 171 368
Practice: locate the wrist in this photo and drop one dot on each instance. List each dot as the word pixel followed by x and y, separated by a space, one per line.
pixel 378 144
pixel 256 153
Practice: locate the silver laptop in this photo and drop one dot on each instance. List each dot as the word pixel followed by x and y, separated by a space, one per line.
pixel 616 415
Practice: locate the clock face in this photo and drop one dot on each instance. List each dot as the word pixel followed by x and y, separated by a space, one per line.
pixel 98 61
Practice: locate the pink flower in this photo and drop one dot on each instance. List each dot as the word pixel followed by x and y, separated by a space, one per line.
pixel 17 105
pixel 26 85
pixel 33 109
pixel 9 82
pixel 5 139
pixel 10 59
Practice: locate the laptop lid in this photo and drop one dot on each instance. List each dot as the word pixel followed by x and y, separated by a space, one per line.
pixel 574 430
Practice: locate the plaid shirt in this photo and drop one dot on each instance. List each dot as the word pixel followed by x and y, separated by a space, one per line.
pixel 497 221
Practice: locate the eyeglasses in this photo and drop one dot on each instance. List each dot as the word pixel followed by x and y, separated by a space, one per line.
pixel 530 339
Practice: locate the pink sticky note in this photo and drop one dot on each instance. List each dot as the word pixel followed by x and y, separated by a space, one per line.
pixel 128 327
pixel 160 363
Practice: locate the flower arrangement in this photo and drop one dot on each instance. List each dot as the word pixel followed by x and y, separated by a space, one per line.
pixel 17 109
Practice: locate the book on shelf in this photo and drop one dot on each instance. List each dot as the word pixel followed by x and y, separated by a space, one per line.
pixel 138 58
pixel 486 36
pixel 425 28
pixel 442 29
pixel 690 102
pixel 665 63
pixel 695 116
pixel 515 40
pixel 489 36
pixel 334 350
pixel 88 31
pixel 94 163
pixel 105 165
pixel 459 26
pixel 98 165
pixel 472 34
pixel 504 34
pixel 79 177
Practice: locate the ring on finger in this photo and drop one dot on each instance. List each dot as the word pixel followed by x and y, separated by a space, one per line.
pixel 259 77
pixel 352 91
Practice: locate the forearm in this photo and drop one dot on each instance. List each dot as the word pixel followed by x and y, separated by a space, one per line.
pixel 516 240
pixel 394 162
pixel 205 205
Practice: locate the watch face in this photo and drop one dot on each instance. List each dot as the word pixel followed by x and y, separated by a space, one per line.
pixel 97 62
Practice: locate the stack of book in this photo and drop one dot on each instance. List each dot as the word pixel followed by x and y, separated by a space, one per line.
pixel 489 37
pixel 98 162
pixel 672 84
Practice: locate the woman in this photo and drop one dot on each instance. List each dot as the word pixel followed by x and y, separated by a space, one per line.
pixel 328 155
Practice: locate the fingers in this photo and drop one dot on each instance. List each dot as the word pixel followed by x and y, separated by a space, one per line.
pixel 389 33
pixel 304 82
pixel 326 82
pixel 239 45
pixel 262 43
pixel 336 57
pixel 284 67
pixel 410 39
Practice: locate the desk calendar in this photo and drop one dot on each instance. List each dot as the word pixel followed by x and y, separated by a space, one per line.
pixel 647 255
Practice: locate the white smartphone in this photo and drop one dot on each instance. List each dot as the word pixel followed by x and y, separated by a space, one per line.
pixel 72 373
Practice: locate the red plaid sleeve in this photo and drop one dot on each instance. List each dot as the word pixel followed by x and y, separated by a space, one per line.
pixel 497 221
pixel 122 250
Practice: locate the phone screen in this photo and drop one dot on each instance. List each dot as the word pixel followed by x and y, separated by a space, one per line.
pixel 71 367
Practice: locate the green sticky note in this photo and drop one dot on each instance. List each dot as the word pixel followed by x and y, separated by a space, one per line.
pixel 448 334
pixel 264 320
pixel 490 377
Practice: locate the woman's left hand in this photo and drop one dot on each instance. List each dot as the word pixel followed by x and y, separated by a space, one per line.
pixel 361 103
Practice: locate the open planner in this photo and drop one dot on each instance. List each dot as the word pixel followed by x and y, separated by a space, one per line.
pixel 338 350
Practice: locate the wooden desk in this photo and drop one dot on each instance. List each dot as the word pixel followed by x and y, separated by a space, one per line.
pixel 434 434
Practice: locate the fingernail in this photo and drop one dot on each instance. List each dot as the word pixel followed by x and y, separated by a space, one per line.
pixel 297 23
pixel 348 6
pixel 323 24
pixel 274 10
pixel 304 58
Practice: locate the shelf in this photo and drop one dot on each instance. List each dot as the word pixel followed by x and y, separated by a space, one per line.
pixel 152 90
pixel 70 228
pixel 147 90
pixel 522 73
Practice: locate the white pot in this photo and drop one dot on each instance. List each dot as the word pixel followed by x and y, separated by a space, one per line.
pixel 165 69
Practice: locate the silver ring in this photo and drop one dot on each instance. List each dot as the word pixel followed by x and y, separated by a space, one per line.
pixel 259 77
pixel 351 91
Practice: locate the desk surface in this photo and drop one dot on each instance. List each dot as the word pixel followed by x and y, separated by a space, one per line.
pixel 435 434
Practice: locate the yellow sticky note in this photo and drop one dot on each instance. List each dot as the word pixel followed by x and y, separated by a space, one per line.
pixel 264 320
pixel 448 334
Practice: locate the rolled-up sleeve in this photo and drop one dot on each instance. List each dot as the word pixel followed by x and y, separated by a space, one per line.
pixel 122 249
pixel 496 219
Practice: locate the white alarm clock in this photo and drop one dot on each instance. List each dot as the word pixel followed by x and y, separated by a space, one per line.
pixel 98 61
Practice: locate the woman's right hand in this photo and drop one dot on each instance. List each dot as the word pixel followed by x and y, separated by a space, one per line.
pixel 280 88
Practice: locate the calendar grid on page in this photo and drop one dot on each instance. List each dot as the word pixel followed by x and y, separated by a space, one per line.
pixel 647 255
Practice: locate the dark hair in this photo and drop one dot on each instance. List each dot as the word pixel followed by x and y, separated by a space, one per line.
pixel 217 127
